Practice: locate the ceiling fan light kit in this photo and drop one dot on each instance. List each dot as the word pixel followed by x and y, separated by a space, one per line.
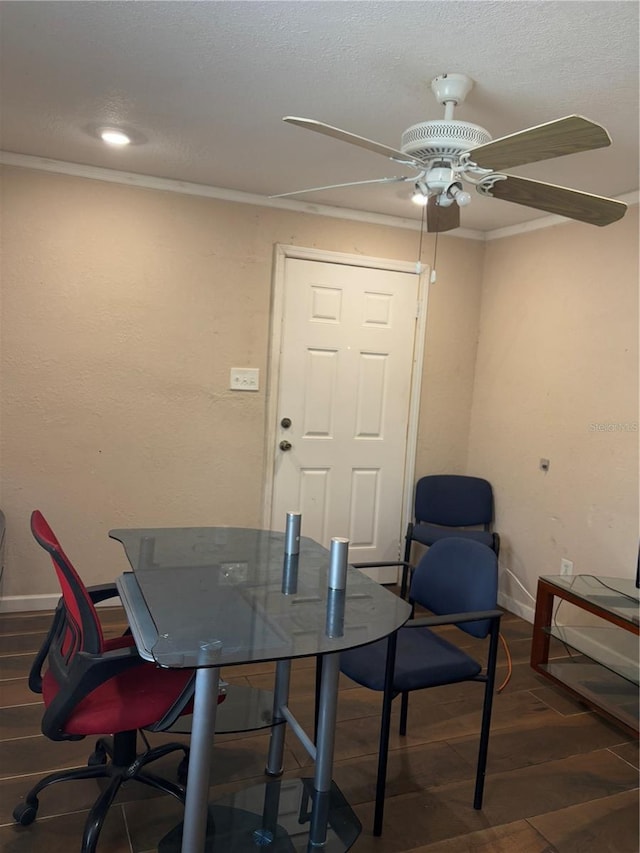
pixel 447 152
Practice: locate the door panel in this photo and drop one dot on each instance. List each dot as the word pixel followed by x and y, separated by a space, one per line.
pixel 345 379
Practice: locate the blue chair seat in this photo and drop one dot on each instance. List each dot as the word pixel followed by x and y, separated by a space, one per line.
pixel 444 662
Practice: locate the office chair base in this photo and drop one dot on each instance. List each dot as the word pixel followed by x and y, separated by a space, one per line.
pixel 25 813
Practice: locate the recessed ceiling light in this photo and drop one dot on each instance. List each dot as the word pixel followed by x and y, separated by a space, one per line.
pixel 114 137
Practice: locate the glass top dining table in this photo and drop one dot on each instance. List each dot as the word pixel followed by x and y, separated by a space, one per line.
pixel 209 597
pixel 220 595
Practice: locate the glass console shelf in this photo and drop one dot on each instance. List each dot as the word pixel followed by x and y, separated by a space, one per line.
pixel 275 816
pixel 599 664
pixel 244 709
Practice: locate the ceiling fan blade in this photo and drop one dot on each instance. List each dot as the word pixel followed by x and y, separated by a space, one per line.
pixel 574 204
pixel 354 139
pixel 338 186
pixel 441 218
pixel 568 135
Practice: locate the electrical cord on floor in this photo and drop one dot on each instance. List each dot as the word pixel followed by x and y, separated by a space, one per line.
pixel 509 664
pixel 554 621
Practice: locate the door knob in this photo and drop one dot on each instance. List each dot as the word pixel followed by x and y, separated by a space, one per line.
pixel 285 445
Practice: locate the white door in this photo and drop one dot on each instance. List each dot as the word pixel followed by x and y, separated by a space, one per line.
pixel 346 361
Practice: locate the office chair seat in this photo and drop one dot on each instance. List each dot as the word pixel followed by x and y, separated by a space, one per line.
pixel 133 699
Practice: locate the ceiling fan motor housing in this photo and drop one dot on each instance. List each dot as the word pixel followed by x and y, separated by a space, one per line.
pixel 440 138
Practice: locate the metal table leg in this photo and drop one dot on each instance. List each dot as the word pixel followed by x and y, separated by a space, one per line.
pixel 205 704
pixel 325 740
pixel 275 759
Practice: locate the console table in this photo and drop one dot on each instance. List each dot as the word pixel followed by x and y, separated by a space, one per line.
pixel 600 663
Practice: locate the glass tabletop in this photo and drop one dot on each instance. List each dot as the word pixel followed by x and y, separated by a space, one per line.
pixel 213 596
pixel 619 596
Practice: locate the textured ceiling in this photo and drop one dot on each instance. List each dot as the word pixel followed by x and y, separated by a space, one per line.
pixel 204 86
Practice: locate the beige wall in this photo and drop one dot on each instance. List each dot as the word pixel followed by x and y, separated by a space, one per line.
pixel 558 356
pixel 123 310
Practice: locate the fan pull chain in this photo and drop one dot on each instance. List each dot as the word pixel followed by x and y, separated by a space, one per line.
pixel 432 277
pixel 419 261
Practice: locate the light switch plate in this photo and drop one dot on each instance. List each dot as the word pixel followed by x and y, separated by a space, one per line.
pixel 244 379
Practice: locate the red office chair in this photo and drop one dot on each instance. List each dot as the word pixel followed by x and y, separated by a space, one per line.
pixel 96 686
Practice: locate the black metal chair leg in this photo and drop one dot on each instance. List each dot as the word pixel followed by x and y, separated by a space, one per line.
pixel 407 560
pixel 486 716
pixel 385 728
pixel 404 710
pixel 496 543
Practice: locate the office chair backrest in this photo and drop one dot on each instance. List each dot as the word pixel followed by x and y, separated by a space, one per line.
pixel 457 576
pixel 82 629
pixel 453 500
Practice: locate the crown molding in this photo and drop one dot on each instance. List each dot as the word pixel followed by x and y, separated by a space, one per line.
pixel 97 173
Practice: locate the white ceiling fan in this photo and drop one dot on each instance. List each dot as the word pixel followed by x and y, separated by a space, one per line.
pixel 447 154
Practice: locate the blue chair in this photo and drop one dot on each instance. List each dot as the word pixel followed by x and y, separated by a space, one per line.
pixel 447 505
pixel 457 581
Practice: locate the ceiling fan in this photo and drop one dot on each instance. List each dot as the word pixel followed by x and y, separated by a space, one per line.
pixel 447 154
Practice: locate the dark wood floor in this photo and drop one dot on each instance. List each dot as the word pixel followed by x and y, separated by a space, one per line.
pixel 560 779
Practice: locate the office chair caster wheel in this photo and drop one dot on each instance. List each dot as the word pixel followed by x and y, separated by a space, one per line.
pixel 97 757
pixel 25 813
pixel 183 771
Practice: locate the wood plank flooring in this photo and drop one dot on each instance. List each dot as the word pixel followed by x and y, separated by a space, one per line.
pixel 560 779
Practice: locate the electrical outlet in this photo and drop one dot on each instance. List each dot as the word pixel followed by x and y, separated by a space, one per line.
pixel 566 567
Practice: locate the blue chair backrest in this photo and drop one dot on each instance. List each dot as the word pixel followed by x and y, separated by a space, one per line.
pixel 457 576
pixel 454 500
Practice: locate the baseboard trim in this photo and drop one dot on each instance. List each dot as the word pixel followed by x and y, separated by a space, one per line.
pixel 25 603
pixel 513 606
pixel 34 603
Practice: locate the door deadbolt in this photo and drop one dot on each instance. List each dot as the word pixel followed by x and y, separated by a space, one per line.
pixel 285 423
pixel 285 445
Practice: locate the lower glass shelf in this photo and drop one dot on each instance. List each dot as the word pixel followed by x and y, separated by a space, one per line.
pixel 244 709
pixel 606 645
pixel 598 686
pixel 277 817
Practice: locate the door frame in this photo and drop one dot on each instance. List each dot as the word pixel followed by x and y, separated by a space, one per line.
pixel 281 253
